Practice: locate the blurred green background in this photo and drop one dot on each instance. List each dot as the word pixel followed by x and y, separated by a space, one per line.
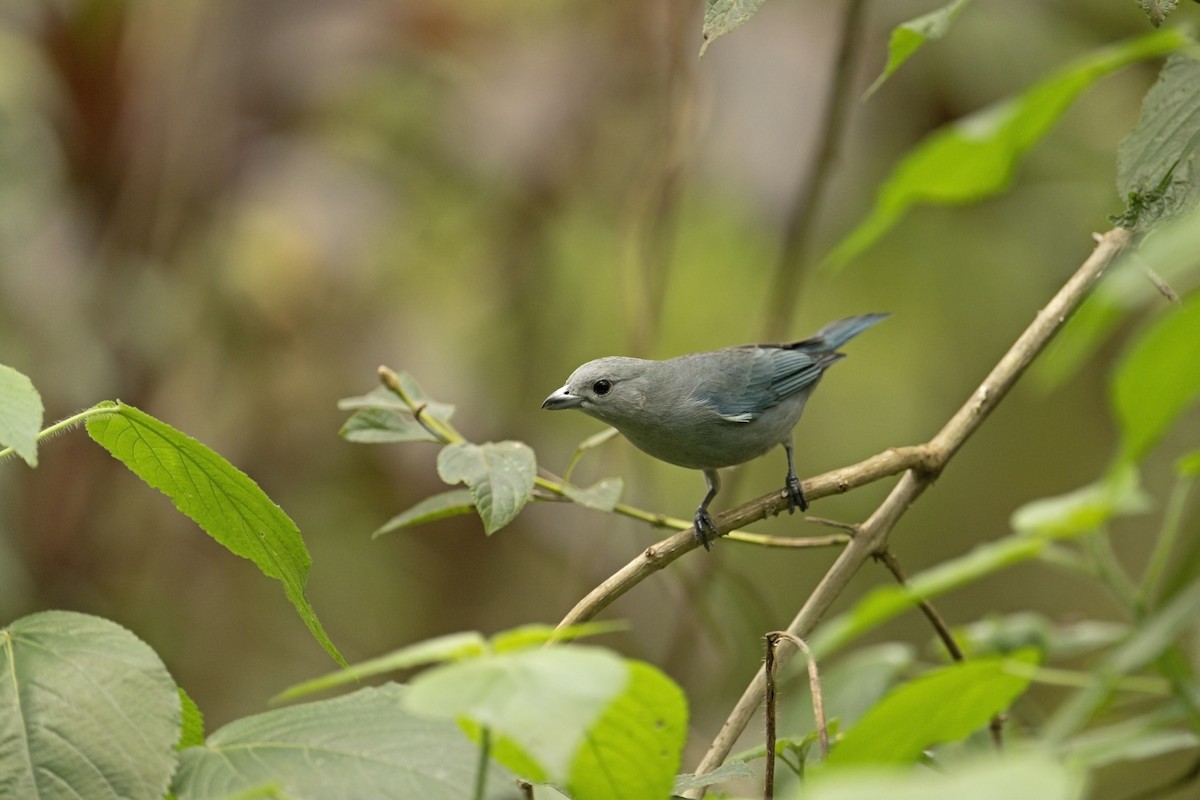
pixel 229 214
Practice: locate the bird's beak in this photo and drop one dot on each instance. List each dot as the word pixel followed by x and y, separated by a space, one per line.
pixel 562 399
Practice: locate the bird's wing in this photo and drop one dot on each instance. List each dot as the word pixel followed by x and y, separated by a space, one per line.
pixel 767 375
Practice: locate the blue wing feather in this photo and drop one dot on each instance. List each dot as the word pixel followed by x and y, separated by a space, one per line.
pixel 759 377
pixel 769 374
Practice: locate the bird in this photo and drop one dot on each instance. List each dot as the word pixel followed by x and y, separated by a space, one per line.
pixel 714 409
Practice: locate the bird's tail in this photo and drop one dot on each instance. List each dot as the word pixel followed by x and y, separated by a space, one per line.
pixel 836 334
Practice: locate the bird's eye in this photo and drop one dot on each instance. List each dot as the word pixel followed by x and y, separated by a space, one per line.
pixel 602 386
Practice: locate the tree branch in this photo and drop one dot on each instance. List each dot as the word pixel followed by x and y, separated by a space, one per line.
pixel 873 534
pixel 657 556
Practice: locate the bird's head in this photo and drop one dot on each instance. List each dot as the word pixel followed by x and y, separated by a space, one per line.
pixel 610 389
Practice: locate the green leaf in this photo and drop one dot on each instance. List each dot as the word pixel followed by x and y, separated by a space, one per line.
pixel 220 498
pixel 1085 509
pixel 634 749
pixel 916 715
pixel 544 701
pixel 453 503
pixel 723 16
pixel 384 426
pixel 500 476
pixel 20 414
pixel 577 716
pixel 887 602
pixel 1157 10
pixel 450 647
pixel 1157 165
pixel 87 710
pixel 382 397
pixel 1026 776
pixel 908 37
pixel 191 730
pixel 1157 379
pixel 364 745
pixel 602 496
pixel 977 156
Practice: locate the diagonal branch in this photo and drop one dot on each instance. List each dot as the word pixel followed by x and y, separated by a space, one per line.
pixel 873 534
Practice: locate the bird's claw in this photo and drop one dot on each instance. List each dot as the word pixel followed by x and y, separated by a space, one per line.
pixel 704 529
pixel 795 495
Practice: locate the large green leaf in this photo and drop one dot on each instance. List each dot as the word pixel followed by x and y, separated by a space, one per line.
pixel 220 498
pixel 634 749
pixel 544 700
pixel 87 710
pixel 977 156
pixel 945 705
pixel 500 476
pixel 580 717
pixel 908 37
pixel 20 414
pixel 364 745
pixel 1158 167
pixel 1158 379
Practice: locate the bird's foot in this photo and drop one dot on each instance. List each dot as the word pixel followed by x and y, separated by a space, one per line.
pixel 795 495
pixel 705 530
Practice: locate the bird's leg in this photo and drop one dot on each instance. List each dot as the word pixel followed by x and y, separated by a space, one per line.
pixel 705 528
pixel 795 494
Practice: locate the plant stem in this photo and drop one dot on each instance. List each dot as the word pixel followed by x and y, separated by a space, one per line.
pixel 481 770
pixel 1172 521
pixel 64 425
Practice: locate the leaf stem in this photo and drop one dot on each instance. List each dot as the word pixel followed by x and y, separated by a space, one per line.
pixel 1172 521
pixel 481 770
pixel 64 425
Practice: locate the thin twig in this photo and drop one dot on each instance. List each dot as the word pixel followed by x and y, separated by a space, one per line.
pixel 889 560
pixel 769 715
pixel 873 534
pixel 814 688
pixel 789 268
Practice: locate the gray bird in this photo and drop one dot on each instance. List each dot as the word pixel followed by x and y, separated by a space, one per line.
pixel 710 410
